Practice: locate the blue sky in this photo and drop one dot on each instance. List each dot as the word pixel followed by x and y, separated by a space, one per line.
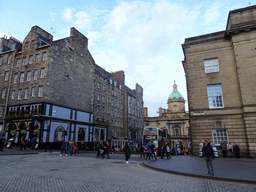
pixel 143 38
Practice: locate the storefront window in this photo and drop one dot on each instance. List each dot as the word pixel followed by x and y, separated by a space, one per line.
pixel 81 134
pixel 59 135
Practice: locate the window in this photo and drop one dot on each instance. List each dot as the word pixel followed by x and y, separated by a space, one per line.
pixel 26 93
pixel 33 90
pixel 13 94
pixel 103 99
pixel 98 85
pixel 40 91
pixel 215 96
pixel 24 60
pixel 18 63
pixel 81 134
pixel 37 58
pixel 176 130
pixel 32 45
pixel 42 73
pixel 6 75
pixel 28 75
pixel 218 135
pixel 26 45
pixel 35 74
pixel 19 94
pixel 98 97
pixel 3 93
pixel 22 77
pixel 1 60
pixel 211 65
pixel 15 78
pixel 9 59
pixel 103 87
pixel 44 56
pixel 59 135
pixel 30 59
pixel 42 42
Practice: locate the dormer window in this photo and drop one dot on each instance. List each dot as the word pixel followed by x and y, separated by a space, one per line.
pixel 42 42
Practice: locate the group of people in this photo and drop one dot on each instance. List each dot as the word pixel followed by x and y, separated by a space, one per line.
pixel 70 147
pixel 103 149
pixel 228 148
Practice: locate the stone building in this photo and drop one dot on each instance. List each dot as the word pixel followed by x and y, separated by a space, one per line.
pixel 221 78
pixel 47 88
pixel 54 90
pixel 174 119
pixel 134 113
pixel 109 101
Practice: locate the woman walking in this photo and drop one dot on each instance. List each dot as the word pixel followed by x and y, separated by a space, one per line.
pixel 230 149
pixel 127 151
pixel 64 148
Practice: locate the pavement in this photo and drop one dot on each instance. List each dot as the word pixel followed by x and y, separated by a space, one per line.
pixel 225 169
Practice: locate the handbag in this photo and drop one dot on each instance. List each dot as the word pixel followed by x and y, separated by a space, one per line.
pixel 76 148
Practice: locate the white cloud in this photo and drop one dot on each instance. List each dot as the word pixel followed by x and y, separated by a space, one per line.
pixel 67 14
pixel 82 20
pixel 93 36
pixel 53 16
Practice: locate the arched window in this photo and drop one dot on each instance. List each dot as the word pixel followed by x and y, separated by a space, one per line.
pixel 81 134
pixel 59 135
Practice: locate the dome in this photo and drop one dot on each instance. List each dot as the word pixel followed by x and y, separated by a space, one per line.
pixel 175 93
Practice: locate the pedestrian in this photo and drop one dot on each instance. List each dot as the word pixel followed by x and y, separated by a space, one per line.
pixel 153 148
pixel 164 150
pixel 48 146
pixel 33 143
pixel 21 142
pixel 127 151
pixel 75 148
pixel 107 147
pixel 99 145
pixel 2 140
pixel 236 150
pixel 25 144
pixel 186 151
pixel 142 154
pixel 168 153
pixel 230 149
pixel 71 146
pixel 223 145
pixel 209 156
pixel 64 148
pixel 148 151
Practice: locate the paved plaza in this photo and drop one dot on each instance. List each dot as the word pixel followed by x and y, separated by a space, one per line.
pixel 50 172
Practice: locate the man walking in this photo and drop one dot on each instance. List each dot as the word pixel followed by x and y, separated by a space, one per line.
pixel 209 156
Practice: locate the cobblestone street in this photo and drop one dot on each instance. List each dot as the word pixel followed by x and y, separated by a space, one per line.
pixel 50 172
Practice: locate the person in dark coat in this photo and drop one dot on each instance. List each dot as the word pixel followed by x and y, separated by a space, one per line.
pixel 64 148
pixel 164 150
pixel 236 150
pixel 21 143
pixel 33 143
pixel 153 148
pixel 2 140
pixel 223 145
pixel 142 154
pixel 25 144
pixel 209 156
pixel 127 151
pixel 107 149
pixel 48 146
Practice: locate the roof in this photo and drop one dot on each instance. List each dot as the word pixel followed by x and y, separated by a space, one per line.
pixel 175 93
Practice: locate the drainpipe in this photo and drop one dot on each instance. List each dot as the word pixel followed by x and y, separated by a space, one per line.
pixel 8 90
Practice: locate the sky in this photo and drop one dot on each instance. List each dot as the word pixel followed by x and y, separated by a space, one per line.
pixel 141 37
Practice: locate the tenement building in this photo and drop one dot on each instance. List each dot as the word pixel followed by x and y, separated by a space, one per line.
pixel 221 78
pixel 47 89
pixel 53 90
pixel 174 120
pixel 109 101
pixel 134 122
